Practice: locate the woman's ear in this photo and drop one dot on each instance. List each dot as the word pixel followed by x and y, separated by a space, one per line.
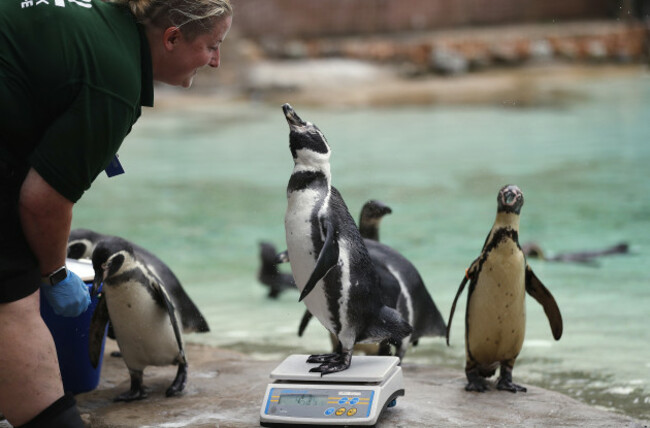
pixel 171 36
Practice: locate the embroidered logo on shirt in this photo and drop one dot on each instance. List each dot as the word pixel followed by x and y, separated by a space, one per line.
pixel 60 3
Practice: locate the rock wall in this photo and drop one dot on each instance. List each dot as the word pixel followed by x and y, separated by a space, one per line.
pixel 315 18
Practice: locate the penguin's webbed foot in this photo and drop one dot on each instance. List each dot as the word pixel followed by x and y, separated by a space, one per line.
pixel 331 367
pixel 337 363
pixel 176 388
pixel 323 358
pixel 475 381
pixel 137 392
pixel 507 385
pixel 476 386
pixel 505 379
pixel 131 395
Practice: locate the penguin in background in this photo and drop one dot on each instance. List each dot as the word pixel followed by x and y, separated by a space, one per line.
pixel 143 316
pixel 329 261
pixel 81 244
pixel 402 286
pixel 588 258
pixel 372 213
pixel 269 274
pixel 495 317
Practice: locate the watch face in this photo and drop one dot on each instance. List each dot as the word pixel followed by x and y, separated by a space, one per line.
pixel 59 276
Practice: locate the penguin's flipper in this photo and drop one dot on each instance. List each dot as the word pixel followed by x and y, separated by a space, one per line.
pixel 303 322
pixel 327 259
pixel 96 331
pixel 536 289
pixel 162 295
pixel 469 274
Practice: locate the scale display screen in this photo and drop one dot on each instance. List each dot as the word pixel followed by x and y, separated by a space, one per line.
pixel 303 399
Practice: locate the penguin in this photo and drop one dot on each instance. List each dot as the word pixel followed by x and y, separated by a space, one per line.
pixel 143 316
pixel 533 250
pixel 371 214
pixel 403 289
pixel 329 261
pixel 495 317
pixel 81 244
pixel 270 275
pixel 402 286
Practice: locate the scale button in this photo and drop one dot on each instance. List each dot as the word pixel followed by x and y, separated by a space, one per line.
pixel 343 400
pixel 354 401
pixel 329 411
pixel 340 411
pixel 352 411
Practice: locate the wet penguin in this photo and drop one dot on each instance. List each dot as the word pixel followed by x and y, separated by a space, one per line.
pixel 81 244
pixel 533 250
pixel 270 275
pixel 495 318
pixel 143 317
pixel 329 261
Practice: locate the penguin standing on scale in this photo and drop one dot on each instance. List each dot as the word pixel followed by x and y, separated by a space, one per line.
pixel 329 261
pixel 495 318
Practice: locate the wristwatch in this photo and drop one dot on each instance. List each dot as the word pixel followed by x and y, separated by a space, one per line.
pixel 57 276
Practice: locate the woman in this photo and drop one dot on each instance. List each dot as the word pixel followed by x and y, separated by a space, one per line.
pixel 73 77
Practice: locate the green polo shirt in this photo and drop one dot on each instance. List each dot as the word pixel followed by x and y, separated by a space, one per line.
pixel 73 77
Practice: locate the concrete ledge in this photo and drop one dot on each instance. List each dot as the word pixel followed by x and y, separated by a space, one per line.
pixel 225 389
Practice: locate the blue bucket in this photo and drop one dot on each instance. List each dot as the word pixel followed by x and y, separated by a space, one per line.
pixel 71 338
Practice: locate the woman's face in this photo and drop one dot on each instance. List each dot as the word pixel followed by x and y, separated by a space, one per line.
pixel 184 57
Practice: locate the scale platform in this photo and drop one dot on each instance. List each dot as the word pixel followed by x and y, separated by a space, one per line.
pixel 356 396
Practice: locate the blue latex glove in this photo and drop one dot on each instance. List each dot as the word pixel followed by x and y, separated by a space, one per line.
pixel 69 298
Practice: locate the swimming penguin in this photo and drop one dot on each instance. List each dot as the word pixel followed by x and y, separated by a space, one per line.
pixel 495 318
pixel 144 318
pixel 533 250
pixel 329 261
pixel 270 275
pixel 81 244
pixel 402 287
pixel 371 214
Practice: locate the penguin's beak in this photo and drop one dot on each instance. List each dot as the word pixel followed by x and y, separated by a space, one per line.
pixel 292 118
pixel 385 209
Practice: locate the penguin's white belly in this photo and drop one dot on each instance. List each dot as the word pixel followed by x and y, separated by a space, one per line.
pixel 302 254
pixel 143 329
pixel 496 313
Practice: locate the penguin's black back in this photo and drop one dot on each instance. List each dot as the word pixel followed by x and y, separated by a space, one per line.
pixel 428 320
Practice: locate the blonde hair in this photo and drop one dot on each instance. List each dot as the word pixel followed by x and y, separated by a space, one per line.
pixel 193 17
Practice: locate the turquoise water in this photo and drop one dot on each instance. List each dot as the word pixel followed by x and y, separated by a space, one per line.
pixel 205 184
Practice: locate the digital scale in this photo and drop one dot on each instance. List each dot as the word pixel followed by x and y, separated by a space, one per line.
pixel 356 396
